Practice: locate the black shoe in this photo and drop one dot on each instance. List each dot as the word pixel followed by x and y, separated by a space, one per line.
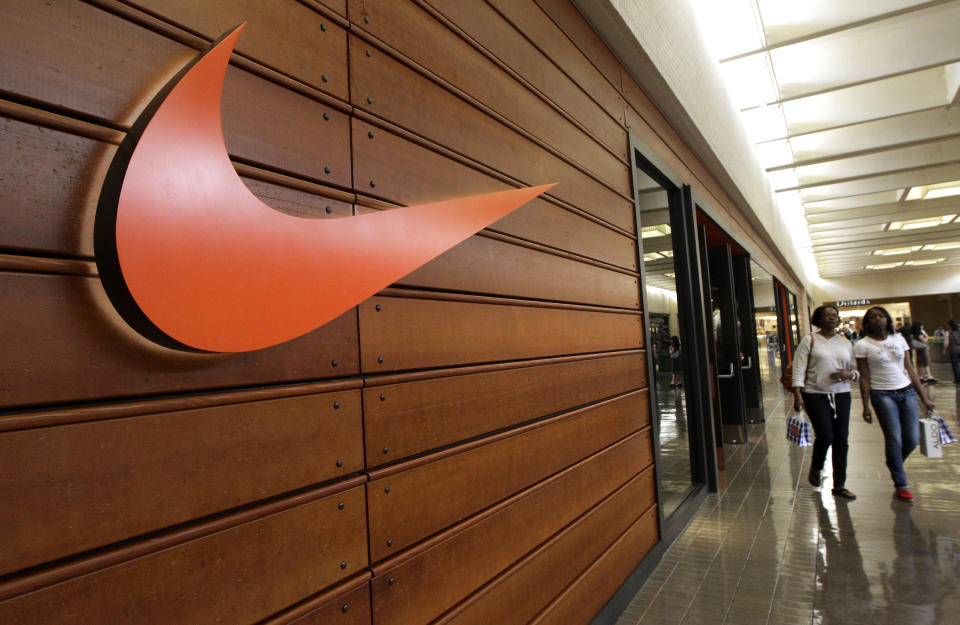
pixel 814 478
pixel 843 493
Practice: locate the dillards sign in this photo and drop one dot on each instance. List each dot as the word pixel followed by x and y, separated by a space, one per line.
pixel 194 261
pixel 852 302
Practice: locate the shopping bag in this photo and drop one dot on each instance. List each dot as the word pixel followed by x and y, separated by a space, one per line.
pixel 946 436
pixel 798 431
pixel 930 438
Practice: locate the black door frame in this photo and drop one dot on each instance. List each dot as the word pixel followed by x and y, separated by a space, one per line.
pixel 687 267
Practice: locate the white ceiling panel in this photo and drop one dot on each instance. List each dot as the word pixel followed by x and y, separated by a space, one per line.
pixel 925 154
pixel 855 106
pixel 784 20
pixel 916 91
pixel 886 182
pixel 892 46
pixel 880 133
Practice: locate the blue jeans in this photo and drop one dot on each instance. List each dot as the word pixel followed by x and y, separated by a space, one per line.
pixel 897 414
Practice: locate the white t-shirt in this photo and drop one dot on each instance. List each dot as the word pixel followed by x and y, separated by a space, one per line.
pixel 885 359
pixel 828 356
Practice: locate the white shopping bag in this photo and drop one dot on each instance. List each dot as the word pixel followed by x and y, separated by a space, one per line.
pixel 930 438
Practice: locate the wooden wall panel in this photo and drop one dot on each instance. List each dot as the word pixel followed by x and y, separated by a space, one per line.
pixel 521 592
pixel 582 601
pixel 284 35
pixel 110 76
pixel 519 34
pixel 53 181
pixel 566 16
pixel 238 575
pixel 352 608
pixel 400 23
pixel 411 333
pixel 398 174
pixel 410 505
pixel 113 76
pixel 112 480
pixel 423 588
pixel 543 222
pixel 70 345
pixel 489 266
pixel 412 417
pixel 276 128
pixel 423 107
pixel 410 174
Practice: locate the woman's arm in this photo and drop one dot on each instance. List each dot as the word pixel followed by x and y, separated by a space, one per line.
pixel 799 371
pixel 864 369
pixel 915 381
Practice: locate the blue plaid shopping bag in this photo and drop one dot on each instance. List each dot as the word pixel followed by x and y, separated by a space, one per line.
pixel 798 431
pixel 946 436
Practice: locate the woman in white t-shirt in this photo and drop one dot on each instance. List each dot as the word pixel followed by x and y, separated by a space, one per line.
pixel 889 382
pixel 822 369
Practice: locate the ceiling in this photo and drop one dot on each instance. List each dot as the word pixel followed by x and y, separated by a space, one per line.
pixel 854 109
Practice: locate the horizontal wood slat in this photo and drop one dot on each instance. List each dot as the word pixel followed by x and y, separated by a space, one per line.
pixel 396 169
pixel 70 346
pixel 401 24
pixel 584 599
pixel 409 506
pixel 49 198
pixel 519 34
pixel 273 127
pixel 516 596
pixel 283 35
pixel 566 16
pixel 402 172
pixel 420 105
pixel 413 417
pixel 239 575
pixel 489 266
pixel 111 480
pixel 352 608
pixel 423 588
pixel 417 333
pixel 113 76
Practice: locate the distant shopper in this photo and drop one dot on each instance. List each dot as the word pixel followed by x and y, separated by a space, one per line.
pixel 951 347
pixel 890 384
pixel 918 343
pixel 822 369
pixel 675 360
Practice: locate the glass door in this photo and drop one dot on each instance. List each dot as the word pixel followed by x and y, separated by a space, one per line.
pixel 672 351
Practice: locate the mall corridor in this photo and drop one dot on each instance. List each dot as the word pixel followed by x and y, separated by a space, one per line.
pixel 770 549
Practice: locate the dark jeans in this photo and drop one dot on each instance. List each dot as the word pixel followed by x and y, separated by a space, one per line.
pixel 955 361
pixel 897 414
pixel 831 427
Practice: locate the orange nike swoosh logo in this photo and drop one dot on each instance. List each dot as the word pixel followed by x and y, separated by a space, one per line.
pixel 193 260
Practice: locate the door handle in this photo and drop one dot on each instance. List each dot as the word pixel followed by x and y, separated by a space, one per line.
pixel 726 376
pixel 747 366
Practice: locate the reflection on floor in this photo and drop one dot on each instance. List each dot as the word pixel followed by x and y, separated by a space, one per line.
pixel 674 458
pixel 770 549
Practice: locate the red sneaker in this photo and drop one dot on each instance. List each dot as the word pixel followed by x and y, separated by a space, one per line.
pixel 904 494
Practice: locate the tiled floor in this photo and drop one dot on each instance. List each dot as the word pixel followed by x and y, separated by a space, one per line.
pixel 770 549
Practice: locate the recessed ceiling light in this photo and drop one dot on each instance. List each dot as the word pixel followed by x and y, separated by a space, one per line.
pixel 652 256
pixel 952 245
pixel 897 250
pixel 931 191
pixel 926 222
pixel 884 266
pixel 928 261
pixel 649 232
pixel 667 253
